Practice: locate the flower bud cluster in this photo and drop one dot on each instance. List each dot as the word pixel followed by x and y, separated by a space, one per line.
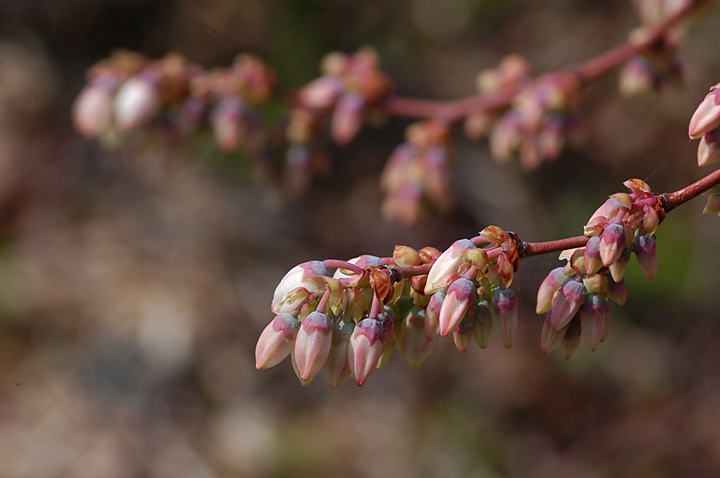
pixel 705 124
pixel 575 297
pixel 539 122
pixel 349 323
pixel 350 87
pixel 128 92
pixel 416 170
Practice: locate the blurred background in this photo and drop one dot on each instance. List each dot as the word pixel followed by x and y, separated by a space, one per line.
pixel 132 293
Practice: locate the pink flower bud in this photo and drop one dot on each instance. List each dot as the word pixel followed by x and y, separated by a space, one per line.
pixel 312 345
pixel 463 333
pixel 483 324
pixel 617 291
pixel 92 110
pixel 506 137
pixel 571 340
pixel 412 341
pixel 347 118
pixel 321 93
pixel 365 348
pixel 612 243
pixel 306 275
pixel 459 299
pixel 432 315
pixel 709 148
pixel 593 263
pixel 650 219
pixel 547 289
pixel 707 115
pixel 550 338
pixel 337 368
pixel 276 341
pixel 645 250
pixel 594 315
pixel 137 102
pixel 567 303
pixel 504 315
pixel 445 269
pixel 617 268
pixel 229 124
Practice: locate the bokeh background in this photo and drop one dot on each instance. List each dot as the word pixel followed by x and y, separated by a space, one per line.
pixel 132 293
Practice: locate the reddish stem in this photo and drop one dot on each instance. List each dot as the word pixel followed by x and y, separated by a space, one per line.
pixel 323 301
pixel 336 263
pixel 589 70
pixel 375 308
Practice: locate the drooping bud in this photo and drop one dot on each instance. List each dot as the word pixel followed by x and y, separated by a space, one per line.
pixel 412 341
pixel 93 107
pixel 337 368
pixel 365 348
pixel 707 115
pixel 617 268
pixel 504 315
pixel 483 323
pixel 463 333
pixel 547 289
pixel 445 269
pixel 312 344
pixel 593 263
pixel 567 303
pixel 571 340
pixel 617 291
pixel 612 243
pixel 645 249
pixel 651 220
pixel 306 275
pixel 594 319
pixel 709 148
pixel 459 299
pixel 276 341
pixel 550 338
pixel 432 315
pixel 137 102
pixel 389 336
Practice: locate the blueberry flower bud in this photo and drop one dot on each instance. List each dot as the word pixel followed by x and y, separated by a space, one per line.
pixel 463 333
pixel 336 368
pixel 571 340
pixel 445 269
pixel 646 254
pixel 458 301
pixel 567 303
pixel 504 315
pixel 306 275
pixel 276 341
pixel 593 263
pixel 612 243
pixel 312 345
pixel 432 315
pixel 550 338
pixel 412 340
pixel 547 289
pixel 594 314
pixel 709 148
pixel 617 268
pixel 483 324
pixel 365 348
pixel 617 291
pixel 707 115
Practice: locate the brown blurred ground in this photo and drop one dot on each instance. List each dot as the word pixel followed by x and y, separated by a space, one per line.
pixel 132 292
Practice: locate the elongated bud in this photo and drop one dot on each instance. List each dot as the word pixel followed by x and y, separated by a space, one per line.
pixel 650 219
pixel 707 115
pixel 593 263
pixel 93 107
pixel 612 243
pixel 432 315
pixel 550 338
pixel 137 102
pixel 547 289
pixel 365 348
pixel 463 333
pixel 458 301
pixel 646 254
pixel 312 345
pixel 617 291
pixel 305 383
pixel 347 117
pixel 594 319
pixel 412 341
pixel 307 275
pixel 504 315
pixel 483 323
pixel 276 341
pixel 709 148
pixel 567 303
pixel 389 336
pixel 337 368
pixel 445 269
pixel 571 340
pixel 618 268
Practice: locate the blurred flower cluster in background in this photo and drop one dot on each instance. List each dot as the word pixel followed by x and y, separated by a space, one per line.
pixel 136 282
